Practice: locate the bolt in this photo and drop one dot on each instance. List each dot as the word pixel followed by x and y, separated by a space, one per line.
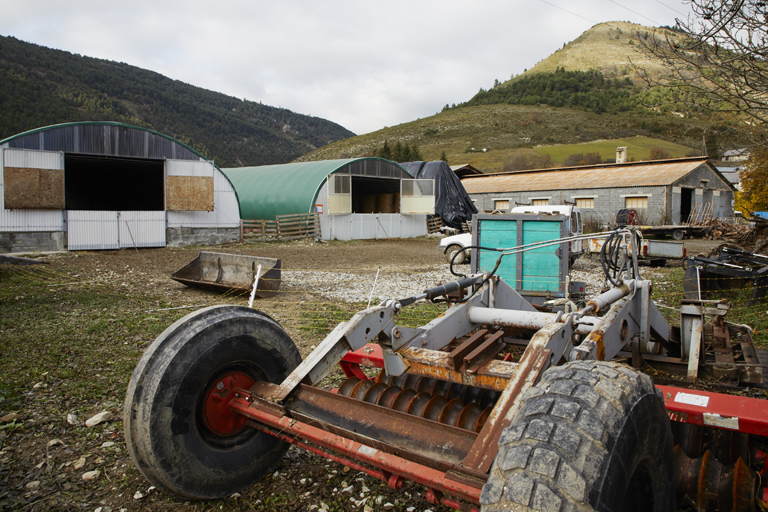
pixel 220 386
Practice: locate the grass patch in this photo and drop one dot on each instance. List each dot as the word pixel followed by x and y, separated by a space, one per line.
pixel 82 339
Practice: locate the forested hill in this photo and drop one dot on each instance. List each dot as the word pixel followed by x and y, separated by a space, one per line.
pixel 40 87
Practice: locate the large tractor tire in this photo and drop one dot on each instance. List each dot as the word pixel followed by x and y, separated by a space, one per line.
pixel 179 430
pixel 590 436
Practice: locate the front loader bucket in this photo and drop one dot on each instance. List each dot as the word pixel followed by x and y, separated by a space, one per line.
pixel 221 271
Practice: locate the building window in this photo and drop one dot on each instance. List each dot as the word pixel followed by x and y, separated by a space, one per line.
pixel 636 202
pixel 539 202
pixel 501 204
pixel 585 202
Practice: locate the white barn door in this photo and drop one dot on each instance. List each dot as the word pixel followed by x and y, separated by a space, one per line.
pixel 100 230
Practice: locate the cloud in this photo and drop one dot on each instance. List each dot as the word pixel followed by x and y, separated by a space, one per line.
pixel 364 65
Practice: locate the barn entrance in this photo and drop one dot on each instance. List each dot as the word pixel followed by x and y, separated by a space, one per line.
pixel 686 204
pixel 375 195
pixel 114 202
pixel 112 183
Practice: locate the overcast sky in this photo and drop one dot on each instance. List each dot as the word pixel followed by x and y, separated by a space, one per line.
pixel 362 64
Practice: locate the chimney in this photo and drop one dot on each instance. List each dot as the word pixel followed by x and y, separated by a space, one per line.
pixel 621 155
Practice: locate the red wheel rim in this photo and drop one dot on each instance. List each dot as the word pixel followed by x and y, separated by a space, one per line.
pixel 218 417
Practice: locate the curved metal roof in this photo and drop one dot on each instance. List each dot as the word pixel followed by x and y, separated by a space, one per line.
pixel 103 138
pixel 270 190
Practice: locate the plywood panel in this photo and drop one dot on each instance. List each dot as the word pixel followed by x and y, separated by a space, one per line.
pixel 33 189
pixel 189 193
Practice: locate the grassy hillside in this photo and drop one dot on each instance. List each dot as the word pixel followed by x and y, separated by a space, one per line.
pixel 501 129
pixel 611 47
pixel 41 87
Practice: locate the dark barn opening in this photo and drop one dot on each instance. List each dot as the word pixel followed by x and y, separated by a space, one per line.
pixel 375 195
pixel 113 183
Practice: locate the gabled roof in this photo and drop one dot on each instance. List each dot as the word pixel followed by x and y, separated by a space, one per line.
pixel 632 174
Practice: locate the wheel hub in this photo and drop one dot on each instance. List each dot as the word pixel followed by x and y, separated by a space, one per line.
pixel 217 415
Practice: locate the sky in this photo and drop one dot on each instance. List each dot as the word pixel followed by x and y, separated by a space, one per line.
pixel 362 64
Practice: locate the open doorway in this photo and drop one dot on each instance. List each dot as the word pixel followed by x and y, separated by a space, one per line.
pixel 686 204
pixel 375 195
pixel 107 183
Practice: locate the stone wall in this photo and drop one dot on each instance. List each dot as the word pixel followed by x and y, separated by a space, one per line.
pixel 32 241
pixel 180 237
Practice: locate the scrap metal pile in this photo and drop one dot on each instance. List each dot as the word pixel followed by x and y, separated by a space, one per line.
pixel 726 269
pixel 748 238
pixel 494 404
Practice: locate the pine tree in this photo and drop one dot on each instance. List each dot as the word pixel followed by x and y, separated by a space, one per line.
pixel 385 152
pixel 444 157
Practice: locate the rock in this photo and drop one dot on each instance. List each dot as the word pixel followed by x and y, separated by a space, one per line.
pixel 72 419
pixel 79 463
pixel 368 508
pixel 9 418
pixel 365 489
pixel 107 444
pixel 234 495
pixel 138 495
pixel 388 506
pixel 32 485
pixel 357 503
pixel 303 481
pixel 100 418
pixel 379 500
pixel 91 475
pixel 349 489
pixel 54 442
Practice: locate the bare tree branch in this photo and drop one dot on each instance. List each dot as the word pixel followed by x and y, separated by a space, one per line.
pixel 716 62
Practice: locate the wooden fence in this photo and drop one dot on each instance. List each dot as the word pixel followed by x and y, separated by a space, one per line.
pixel 284 227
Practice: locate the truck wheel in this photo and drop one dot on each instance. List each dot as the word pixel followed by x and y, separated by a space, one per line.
pixel 461 256
pixel 678 234
pixel 591 435
pixel 180 433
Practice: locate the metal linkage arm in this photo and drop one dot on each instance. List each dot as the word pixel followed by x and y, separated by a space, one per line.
pixel 347 336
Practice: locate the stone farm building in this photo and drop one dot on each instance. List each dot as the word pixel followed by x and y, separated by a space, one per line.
pixel 105 185
pixel 662 191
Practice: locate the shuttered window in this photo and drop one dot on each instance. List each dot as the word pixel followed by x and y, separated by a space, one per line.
pixel 636 202
pixel 501 204
pixel 585 202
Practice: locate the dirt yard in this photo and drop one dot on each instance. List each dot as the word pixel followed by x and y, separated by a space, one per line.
pixel 72 330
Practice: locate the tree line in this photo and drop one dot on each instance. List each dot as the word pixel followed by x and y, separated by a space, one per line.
pixel 40 87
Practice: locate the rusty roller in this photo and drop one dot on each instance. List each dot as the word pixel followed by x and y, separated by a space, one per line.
pixel 712 486
pixel 727 445
pixel 483 398
pixel 428 398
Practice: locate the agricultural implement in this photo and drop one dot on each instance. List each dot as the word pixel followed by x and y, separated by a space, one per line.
pixel 493 405
pixel 225 272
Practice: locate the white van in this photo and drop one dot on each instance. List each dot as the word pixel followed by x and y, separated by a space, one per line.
pixel 451 245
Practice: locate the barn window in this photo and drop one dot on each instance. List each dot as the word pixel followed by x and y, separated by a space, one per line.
pixel 501 204
pixel 417 196
pixel 636 202
pixel 339 193
pixel 585 202
pixel 539 202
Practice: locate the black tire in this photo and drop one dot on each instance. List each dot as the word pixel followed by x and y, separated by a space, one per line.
pixel 590 436
pixel 461 256
pixel 167 429
pixel 678 234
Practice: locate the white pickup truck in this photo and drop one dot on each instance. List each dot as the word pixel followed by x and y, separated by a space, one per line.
pixel 451 245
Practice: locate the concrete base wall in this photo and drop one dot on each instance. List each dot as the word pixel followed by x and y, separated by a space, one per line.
pixel 32 241
pixel 181 237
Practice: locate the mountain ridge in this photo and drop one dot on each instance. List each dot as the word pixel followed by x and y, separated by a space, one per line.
pixel 41 86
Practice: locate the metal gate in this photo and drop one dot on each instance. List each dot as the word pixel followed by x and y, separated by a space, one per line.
pixel 96 230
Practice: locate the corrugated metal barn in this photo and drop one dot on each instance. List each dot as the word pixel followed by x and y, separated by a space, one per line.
pixel 662 191
pixel 359 198
pixel 103 185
